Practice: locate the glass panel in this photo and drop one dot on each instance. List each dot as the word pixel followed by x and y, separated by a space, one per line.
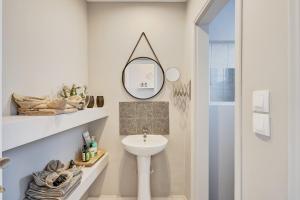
pixel 231 55
pixel 221 60
pixel 219 55
pixel 222 84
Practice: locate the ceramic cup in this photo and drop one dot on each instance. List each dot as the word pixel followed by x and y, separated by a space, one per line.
pixel 91 102
pixel 100 101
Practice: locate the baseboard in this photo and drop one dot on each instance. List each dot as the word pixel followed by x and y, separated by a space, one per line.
pixel 113 197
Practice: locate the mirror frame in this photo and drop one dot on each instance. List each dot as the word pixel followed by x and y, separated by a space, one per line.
pixel 143 57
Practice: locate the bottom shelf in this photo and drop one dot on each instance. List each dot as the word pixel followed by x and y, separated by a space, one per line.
pixel 89 176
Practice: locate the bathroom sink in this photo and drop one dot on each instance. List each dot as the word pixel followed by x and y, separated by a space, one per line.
pixel 144 146
pixel 151 145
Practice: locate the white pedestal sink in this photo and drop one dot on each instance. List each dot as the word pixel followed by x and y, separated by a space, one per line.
pixel 144 149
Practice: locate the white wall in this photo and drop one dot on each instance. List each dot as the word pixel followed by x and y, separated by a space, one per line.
pixel 114 28
pixel 45 47
pixel 265 66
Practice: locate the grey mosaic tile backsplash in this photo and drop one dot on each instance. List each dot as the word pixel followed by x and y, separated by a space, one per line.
pixel 133 116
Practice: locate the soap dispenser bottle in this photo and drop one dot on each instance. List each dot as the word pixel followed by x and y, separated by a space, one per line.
pixel 93 147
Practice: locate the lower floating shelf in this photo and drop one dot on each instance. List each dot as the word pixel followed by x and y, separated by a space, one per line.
pixel 89 176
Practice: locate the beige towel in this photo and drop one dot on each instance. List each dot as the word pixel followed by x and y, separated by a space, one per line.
pixel 38 192
pixel 40 106
pixel 38 188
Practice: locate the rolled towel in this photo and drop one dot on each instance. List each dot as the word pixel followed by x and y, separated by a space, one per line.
pixel 54 166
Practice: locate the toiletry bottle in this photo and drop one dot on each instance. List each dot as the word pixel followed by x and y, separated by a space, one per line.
pixel 94 146
pixel 83 154
pixel 92 155
pixel 87 153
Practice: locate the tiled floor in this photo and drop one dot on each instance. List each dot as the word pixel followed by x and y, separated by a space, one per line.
pixel 125 198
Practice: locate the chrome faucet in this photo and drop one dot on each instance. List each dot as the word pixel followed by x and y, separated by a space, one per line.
pixel 145 131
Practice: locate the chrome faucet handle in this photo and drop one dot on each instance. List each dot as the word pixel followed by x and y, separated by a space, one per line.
pixel 145 132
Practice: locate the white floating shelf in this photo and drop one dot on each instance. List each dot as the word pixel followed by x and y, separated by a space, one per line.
pixel 89 176
pixel 20 130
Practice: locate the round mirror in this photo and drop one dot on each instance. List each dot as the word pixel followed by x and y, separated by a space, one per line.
pixel 172 74
pixel 143 78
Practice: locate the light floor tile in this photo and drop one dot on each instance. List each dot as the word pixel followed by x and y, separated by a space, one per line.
pixel 105 197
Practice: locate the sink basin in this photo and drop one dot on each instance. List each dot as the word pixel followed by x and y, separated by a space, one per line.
pixel 144 149
pixel 136 145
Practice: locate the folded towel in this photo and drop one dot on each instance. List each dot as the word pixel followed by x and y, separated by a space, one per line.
pixel 39 189
pixel 38 192
pixel 36 196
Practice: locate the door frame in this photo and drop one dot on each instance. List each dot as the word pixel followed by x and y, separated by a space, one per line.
pixel 1 65
pixel 294 101
pixel 238 194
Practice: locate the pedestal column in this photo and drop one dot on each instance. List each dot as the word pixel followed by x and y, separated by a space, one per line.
pixel 144 177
